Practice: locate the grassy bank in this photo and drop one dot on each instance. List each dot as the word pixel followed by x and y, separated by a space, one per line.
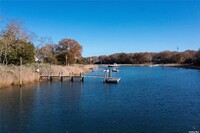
pixel 10 75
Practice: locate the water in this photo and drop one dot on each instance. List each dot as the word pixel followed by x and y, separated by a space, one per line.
pixel 147 100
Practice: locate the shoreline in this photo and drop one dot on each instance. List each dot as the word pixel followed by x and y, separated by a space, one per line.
pixel 186 66
pixel 10 75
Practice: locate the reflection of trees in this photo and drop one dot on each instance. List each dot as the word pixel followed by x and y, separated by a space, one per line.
pixel 16 107
pixel 45 108
pixel 56 107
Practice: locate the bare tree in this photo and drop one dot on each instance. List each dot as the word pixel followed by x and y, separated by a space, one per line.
pixel 44 47
pixel 1 49
pixel 13 32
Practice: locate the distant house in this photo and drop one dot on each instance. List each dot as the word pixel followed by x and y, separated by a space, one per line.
pixel 36 59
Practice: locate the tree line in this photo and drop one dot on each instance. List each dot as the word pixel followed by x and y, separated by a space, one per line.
pixel 164 57
pixel 16 42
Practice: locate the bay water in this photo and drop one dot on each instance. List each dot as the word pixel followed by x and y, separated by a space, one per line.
pixel 146 100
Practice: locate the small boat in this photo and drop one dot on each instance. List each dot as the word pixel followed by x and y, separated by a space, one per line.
pixel 112 80
pixel 152 65
pixel 113 65
pixel 115 70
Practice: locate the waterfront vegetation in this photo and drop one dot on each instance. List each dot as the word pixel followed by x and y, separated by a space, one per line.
pixel 10 75
pixel 37 54
pixel 16 42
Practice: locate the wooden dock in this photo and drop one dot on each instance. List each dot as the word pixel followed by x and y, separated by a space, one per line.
pixel 107 78
pixel 50 76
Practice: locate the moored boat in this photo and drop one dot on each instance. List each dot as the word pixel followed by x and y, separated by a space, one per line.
pixel 115 70
pixel 113 65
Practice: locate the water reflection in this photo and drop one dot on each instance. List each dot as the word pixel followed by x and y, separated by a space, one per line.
pixel 16 105
pixel 45 107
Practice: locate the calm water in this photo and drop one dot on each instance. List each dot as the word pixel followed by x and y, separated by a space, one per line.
pixel 147 100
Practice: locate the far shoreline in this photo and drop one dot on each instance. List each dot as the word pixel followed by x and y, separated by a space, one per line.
pixel 186 66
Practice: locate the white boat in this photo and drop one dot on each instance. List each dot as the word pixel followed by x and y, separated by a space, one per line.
pixel 153 65
pixel 113 65
pixel 112 80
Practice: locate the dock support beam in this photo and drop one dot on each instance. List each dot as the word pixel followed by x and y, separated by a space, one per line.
pixel 60 76
pixel 72 78
pixel 81 77
pixel 49 77
pixel 20 74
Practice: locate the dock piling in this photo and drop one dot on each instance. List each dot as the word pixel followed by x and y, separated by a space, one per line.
pixel 81 77
pixel 61 76
pixel 49 76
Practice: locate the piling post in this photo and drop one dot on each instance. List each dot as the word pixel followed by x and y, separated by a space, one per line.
pixel 20 75
pixel 49 77
pixel 105 76
pixel 81 77
pixel 110 73
pixel 40 76
pixel 72 77
pixel 61 77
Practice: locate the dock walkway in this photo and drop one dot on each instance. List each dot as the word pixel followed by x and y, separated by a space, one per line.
pixel 61 77
pixel 107 78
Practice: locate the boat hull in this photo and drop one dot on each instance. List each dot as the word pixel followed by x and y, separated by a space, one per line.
pixel 113 65
pixel 112 80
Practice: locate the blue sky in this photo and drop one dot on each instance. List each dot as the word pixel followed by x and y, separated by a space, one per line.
pixel 106 27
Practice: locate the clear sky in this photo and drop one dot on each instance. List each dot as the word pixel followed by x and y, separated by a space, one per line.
pixel 103 27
